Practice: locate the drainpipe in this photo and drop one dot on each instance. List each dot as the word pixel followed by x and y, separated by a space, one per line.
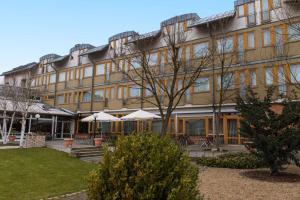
pixel 55 85
pixel 93 83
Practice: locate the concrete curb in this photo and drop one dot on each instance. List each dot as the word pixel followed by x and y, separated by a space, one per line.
pixel 64 195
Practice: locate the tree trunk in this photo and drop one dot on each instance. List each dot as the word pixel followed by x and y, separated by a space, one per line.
pixel 11 124
pixel 5 137
pixel 164 127
pixel 24 118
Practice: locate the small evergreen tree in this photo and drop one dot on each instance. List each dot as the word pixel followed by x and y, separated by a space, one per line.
pixel 275 136
pixel 144 166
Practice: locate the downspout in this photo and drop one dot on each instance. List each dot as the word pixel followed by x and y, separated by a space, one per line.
pixel 55 85
pixel 93 83
pixel 213 85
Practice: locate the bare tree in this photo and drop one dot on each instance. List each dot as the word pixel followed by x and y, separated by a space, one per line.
pixel 9 105
pixel 222 57
pixel 27 97
pixel 288 15
pixel 160 81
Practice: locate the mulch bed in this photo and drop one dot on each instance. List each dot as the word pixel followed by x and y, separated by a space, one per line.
pixel 264 175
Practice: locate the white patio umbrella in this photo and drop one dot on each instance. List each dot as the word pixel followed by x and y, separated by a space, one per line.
pixel 101 117
pixel 140 115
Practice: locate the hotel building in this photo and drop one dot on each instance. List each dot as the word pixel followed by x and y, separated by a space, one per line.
pixel 264 47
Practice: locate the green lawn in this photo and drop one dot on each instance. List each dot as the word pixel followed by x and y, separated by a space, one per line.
pixel 40 172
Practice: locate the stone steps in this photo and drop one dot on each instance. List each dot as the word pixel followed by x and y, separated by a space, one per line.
pixel 87 152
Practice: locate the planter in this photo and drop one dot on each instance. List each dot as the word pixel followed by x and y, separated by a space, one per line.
pixel 98 142
pixel 12 138
pixel 68 142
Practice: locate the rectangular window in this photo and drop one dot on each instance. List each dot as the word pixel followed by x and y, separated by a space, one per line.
pixel 152 59
pixel 136 62
pixel 276 3
pixel 107 92
pixel 242 84
pixel 187 56
pixel 281 81
pixel 251 14
pixel 135 91
pixel 241 11
pixel 202 85
pixel 52 78
pixel 228 81
pixel 86 96
pixel 148 90
pixel 269 76
pixel 251 40
pixel 195 127
pixel 267 38
pixel 252 78
pixel 61 99
pixel 62 76
pixel 241 42
pixel 265 10
pixel 88 71
pixel 124 92
pixel 295 73
pixel 120 88
pixel 179 85
pixel 294 32
pixel 99 95
pixel 200 50
pixel 100 69
pixel 225 45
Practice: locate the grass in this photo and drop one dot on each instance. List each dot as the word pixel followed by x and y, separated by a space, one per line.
pixel 39 173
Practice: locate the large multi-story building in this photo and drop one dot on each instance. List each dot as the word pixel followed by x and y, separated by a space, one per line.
pixel 264 48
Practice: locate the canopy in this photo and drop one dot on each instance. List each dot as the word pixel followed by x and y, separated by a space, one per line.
pixel 100 117
pixel 140 115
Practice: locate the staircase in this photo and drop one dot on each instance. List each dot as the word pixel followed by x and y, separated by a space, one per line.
pixel 89 154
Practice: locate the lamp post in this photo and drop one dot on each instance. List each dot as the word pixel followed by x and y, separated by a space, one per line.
pixel 37 116
pixel 95 120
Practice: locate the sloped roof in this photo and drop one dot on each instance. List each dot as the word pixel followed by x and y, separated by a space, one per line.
pixel 214 18
pixel 61 58
pixel 49 56
pixel 123 35
pixel 180 18
pixel 145 36
pixel 21 68
pixel 81 46
pixel 94 50
pixel 35 108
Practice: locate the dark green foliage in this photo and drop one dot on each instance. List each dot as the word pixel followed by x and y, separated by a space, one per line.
pixel 144 166
pixel 234 161
pixel 274 136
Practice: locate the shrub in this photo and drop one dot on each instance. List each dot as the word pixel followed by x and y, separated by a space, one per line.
pixel 144 166
pixel 234 161
pixel 274 133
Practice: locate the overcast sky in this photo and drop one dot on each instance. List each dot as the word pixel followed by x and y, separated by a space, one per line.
pixel 33 28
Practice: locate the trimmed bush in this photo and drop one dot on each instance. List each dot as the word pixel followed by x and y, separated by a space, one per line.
pixel 234 161
pixel 144 166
